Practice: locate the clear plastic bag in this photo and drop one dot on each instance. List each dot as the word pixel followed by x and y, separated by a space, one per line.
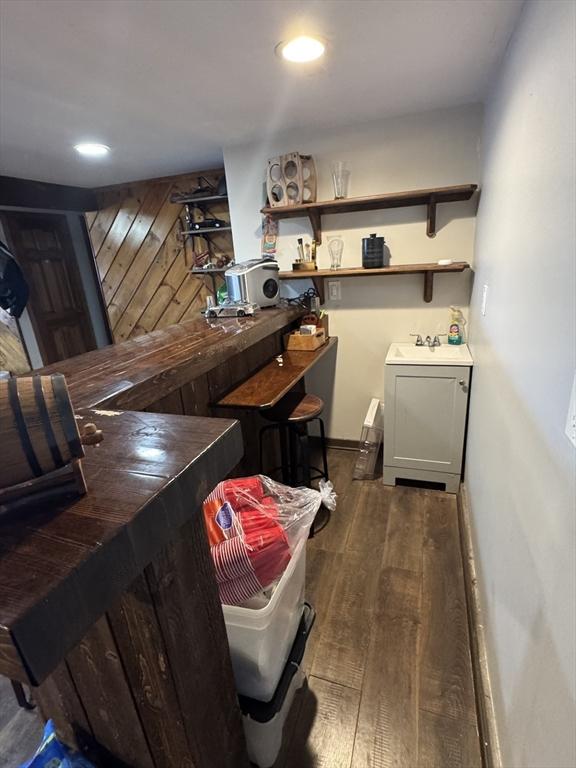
pixel 253 525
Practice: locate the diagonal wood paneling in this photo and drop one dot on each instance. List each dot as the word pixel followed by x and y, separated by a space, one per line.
pixel 143 264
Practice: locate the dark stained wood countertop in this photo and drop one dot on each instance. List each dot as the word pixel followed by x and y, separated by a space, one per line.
pixel 62 566
pixel 269 385
pixel 137 372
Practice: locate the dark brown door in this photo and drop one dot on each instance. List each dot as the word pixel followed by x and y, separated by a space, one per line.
pixel 57 305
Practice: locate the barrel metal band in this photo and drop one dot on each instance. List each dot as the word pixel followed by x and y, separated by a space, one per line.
pixel 46 423
pixel 14 397
pixel 67 416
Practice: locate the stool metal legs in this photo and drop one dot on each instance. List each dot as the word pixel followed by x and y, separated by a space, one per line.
pixel 285 453
pixel 295 452
pixel 323 446
pixel 260 443
pixel 305 454
pixel 21 697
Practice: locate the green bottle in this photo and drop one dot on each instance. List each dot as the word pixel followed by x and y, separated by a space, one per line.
pixel 456 327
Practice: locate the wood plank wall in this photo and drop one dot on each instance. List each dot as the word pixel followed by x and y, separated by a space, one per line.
pixel 142 261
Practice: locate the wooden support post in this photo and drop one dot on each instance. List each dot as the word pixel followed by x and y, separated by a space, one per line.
pixel 431 220
pixel 428 286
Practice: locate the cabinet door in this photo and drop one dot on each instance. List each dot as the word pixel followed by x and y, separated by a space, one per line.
pixel 425 416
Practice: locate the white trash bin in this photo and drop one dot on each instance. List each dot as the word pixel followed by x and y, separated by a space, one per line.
pixel 260 639
pixel 264 722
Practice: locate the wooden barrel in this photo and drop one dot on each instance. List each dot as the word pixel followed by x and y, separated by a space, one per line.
pixel 38 431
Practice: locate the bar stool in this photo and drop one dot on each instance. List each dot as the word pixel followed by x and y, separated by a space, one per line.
pixel 291 417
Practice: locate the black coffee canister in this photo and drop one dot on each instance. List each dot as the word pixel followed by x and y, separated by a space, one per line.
pixel 375 252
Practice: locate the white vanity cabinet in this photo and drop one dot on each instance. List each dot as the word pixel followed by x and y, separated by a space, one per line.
pixel 425 410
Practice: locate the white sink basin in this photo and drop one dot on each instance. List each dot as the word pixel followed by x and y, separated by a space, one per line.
pixel 445 354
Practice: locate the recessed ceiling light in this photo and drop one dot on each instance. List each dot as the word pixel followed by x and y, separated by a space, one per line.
pixel 90 149
pixel 302 49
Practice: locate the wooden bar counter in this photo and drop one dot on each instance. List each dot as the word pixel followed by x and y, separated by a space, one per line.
pixel 215 355
pixel 108 603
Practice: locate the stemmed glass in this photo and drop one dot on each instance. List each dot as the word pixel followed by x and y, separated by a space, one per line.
pixel 335 249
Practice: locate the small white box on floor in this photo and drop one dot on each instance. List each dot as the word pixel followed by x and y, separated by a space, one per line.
pixel 260 639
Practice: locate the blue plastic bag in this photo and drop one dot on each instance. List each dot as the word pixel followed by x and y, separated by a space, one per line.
pixel 52 753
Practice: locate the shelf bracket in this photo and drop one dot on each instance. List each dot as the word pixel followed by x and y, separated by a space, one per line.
pixel 428 286
pixel 316 224
pixel 319 285
pixel 431 218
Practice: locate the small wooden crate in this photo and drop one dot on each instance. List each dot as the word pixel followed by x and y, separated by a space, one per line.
pixel 297 341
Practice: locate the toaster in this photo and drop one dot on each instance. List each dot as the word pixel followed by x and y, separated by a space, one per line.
pixel 254 281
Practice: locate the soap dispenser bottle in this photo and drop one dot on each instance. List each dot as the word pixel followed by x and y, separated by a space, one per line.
pixel 456 327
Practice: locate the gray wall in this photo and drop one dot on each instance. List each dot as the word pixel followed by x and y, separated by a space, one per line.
pixel 521 467
pixel 88 277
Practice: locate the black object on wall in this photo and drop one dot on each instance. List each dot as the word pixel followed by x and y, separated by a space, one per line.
pixel 13 287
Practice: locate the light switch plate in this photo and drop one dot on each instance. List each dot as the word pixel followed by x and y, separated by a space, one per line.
pixel 571 418
pixel 484 299
pixel 334 291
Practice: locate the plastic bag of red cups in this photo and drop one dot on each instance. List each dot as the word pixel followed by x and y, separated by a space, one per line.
pixel 253 526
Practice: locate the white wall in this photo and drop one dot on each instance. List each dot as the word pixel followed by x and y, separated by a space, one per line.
pixel 521 468
pixel 425 150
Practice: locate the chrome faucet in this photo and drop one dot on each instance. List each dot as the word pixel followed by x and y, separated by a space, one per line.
pixel 435 342
pixel 428 341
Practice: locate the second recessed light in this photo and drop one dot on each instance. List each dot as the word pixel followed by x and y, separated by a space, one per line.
pixel 91 149
pixel 302 49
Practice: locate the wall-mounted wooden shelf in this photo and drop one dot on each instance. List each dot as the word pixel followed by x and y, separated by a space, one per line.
pixel 212 272
pixel 205 231
pixel 427 270
pixel 191 200
pixel 428 197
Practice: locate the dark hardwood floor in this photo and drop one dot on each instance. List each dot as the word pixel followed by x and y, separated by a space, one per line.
pixel 20 729
pixel 390 677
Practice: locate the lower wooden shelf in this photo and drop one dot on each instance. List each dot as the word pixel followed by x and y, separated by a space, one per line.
pixel 427 270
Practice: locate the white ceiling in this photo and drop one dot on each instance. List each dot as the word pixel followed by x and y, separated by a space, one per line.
pixel 168 83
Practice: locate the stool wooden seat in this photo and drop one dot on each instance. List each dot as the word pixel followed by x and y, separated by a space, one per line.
pixel 295 408
pixel 291 416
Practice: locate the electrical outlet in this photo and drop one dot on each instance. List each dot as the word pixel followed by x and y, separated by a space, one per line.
pixel 334 291
pixel 484 299
pixel 571 418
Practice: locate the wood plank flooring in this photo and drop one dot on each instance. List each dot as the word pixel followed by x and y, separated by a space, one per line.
pixel 20 729
pixel 390 678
